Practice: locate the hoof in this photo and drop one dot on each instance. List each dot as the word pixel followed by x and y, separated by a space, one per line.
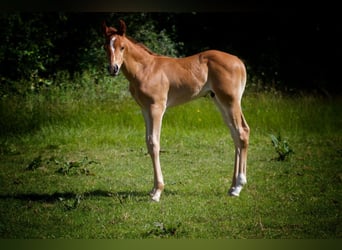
pixel 155 199
pixel 235 191
pixel 155 195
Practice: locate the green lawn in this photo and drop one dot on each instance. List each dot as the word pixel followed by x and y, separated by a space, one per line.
pixel 79 168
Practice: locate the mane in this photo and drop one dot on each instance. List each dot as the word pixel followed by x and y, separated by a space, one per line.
pixel 141 45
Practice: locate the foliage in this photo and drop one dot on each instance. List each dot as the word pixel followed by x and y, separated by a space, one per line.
pixel 37 47
pixel 146 28
pixel 27 44
pixel 281 147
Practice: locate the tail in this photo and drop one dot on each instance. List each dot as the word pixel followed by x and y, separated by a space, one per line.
pixel 243 79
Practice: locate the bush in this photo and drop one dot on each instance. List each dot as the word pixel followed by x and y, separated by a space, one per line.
pixel 44 49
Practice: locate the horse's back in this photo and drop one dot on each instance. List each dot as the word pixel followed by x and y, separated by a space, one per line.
pixel 222 58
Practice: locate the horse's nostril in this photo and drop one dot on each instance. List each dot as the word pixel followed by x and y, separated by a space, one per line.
pixel 113 69
pixel 116 68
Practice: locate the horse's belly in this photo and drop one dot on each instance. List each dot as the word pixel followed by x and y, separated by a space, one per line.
pixel 183 94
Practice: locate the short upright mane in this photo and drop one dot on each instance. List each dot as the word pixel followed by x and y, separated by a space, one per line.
pixel 141 45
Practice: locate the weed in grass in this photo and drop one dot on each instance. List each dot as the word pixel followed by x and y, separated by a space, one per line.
pixel 75 167
pixel 36 163
pixel 282 147
pixel 67 167
pixel 73 204
pixel 159 230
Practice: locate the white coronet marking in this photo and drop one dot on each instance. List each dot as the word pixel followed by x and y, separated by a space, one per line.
pixel 241 180
pixel 235 191
pixel 156 195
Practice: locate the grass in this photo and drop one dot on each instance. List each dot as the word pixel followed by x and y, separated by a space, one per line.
pixel 78 168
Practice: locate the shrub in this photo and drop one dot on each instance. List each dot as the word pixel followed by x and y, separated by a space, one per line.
pixel 281 147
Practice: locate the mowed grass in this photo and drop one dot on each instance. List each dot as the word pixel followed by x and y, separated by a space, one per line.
pixel 79 168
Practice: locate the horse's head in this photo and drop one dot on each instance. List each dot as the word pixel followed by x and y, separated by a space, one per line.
pixel 114 46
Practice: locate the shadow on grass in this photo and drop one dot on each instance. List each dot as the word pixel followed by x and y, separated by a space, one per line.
pixel 58 196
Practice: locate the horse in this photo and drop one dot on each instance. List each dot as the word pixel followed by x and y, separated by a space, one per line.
pixel 158 82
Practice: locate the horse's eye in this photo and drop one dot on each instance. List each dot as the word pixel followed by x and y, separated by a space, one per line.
pixel 122 48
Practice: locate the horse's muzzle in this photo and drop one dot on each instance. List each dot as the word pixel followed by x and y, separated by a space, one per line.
pixel 113 69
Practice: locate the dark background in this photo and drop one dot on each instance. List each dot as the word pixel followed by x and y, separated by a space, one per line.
pixel 288 46
pixel 299 49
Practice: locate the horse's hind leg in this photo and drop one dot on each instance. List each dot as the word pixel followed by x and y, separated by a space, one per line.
pixel 234 118
pixel 240 133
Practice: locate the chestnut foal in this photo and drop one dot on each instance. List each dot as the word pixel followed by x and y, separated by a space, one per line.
pixel 158 82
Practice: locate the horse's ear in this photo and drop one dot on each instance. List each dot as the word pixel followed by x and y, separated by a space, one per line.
pixel 122 28
pixel 104 28
pixel 108 31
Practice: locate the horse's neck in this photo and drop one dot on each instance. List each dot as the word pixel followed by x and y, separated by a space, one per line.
pixel 136 60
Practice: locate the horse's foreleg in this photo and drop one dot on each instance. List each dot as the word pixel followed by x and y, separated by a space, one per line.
pixel 153 120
